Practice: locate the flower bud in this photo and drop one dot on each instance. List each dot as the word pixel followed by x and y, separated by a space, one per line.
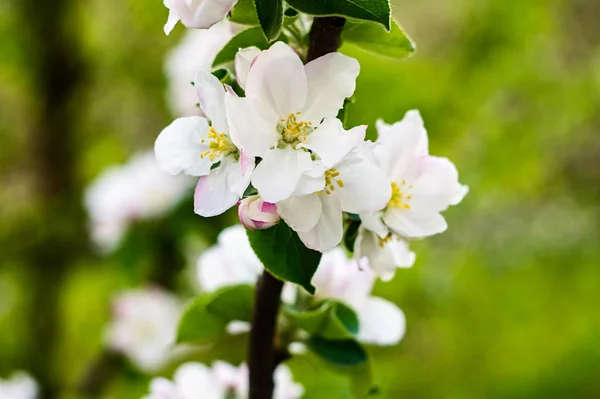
pixel 256 214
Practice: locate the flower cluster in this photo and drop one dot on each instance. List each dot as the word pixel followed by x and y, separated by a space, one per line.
pixel 222 380
pixel 283 140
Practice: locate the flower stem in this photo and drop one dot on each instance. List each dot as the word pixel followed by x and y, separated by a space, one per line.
pixel 263 357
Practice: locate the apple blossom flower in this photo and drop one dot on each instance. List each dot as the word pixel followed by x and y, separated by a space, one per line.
pixel 221 381
pixel 243 62
pixel 196 52
pixel 144 326
pixel 288 110
pixel 352 183
pixel 256 214
pixel 19 386
pixel 199 14
pixel 384 255
pixel 122 194
pixel 422 187
pixel 191 146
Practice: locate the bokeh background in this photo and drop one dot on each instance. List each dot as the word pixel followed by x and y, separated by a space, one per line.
pixel 505 304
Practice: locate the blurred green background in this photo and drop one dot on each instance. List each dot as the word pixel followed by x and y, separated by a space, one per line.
pixel 505 304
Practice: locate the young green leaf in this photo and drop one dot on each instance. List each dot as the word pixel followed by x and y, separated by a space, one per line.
pixel 371 37
pixel 198 326
pixel 350 235
pixel 284 255
pixel 252 37
pixel 244 13
pixel 330 320
pixel 232 303
pixel 368 10
pixel 270 16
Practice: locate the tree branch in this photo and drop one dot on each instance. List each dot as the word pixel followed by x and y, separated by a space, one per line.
pixel 263 356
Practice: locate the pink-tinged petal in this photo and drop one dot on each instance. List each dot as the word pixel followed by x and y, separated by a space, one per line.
pixel 331 142
pixel 268 207
pixel 244 59
pixel 331 79
pixel 381 322
pixel 246 163
pixel 213 194
pixel 238 173
pixel 211 95
pixel 366 187
pixel 279 172
pixel 278 80
pixel 179 145
pixel 301 213
pixel 329 230
pixel 410 223
pixel 253 126
pixel 199 14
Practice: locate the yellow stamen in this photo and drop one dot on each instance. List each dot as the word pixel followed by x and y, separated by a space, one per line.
pixel 218 144
pixel 398 200
pixel 293 129
pixel 331 177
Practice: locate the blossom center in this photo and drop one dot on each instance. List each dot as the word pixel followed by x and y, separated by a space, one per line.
pixel 331 177
pixel 399 198
pixel 292 130
pixel 218 144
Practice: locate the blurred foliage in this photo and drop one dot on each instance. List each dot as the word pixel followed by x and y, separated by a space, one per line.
pixel 503 305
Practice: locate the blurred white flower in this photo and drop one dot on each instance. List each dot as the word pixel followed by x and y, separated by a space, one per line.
pixel 256 214
pixel 121 194
pixel 221 381
pixel 18 386
pixel 338 277
pixel 422 187
pixel 144 326
pixel 199 14
pixel 192 146
pixel 196 52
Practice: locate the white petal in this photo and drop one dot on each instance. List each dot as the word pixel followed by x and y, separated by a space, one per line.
pixel 301 213
pixel 437 185
pixel 285 387
pixel 211 95
pixel 253 126
pixel 195 380
pixel 329 230
pixel 179 145
pixel 366 186
pixel 278 80
pixel 381 322
pixel 243 62
pixel 210 12
pixel 331 142
pixel 331 79
pixel 279 172
pixel 383 260
pixel 213 194
pixel 373 222
pixel 410 223
pixel 171 22
pixel 312 180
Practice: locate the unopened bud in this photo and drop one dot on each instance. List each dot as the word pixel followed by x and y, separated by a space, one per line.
pixel 256 214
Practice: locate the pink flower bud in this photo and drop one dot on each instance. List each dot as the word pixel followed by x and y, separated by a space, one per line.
pixel 256 214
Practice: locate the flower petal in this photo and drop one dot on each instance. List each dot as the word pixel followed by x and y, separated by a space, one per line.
pixel 331 79
pixel 411 223
pixel 171 22
pixel 381 322
pixel 179 145
pixel 301 213
pixel 253 127
pixel 329 230
pixel 279 172
pixel 214 193
pixel 278 80
pixel 373 222
pixel 383 260
pixel 195 380
pixel 211 95
pixel 366 186
pixel 437 186
pixel 312 180
pixel 331 142
pixel 243 62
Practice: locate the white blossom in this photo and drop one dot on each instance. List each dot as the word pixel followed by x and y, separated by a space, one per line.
pixel 144 326
pixel 196 52
pixel 221 381
pixel 287 111
pixel 19 385
pixel 192 146
pixel 256 214
pixel 137 190
pixel 199 14
pixel 422 187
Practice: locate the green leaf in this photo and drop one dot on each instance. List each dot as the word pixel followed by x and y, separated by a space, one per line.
pixel 351 234
pixel 371 37
pixel 244 13
pixel 232 303
pixel 284 255
pixel 198 326
pixel 369 10
pixel 252 37
pixel 270 16
pixel 331 320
